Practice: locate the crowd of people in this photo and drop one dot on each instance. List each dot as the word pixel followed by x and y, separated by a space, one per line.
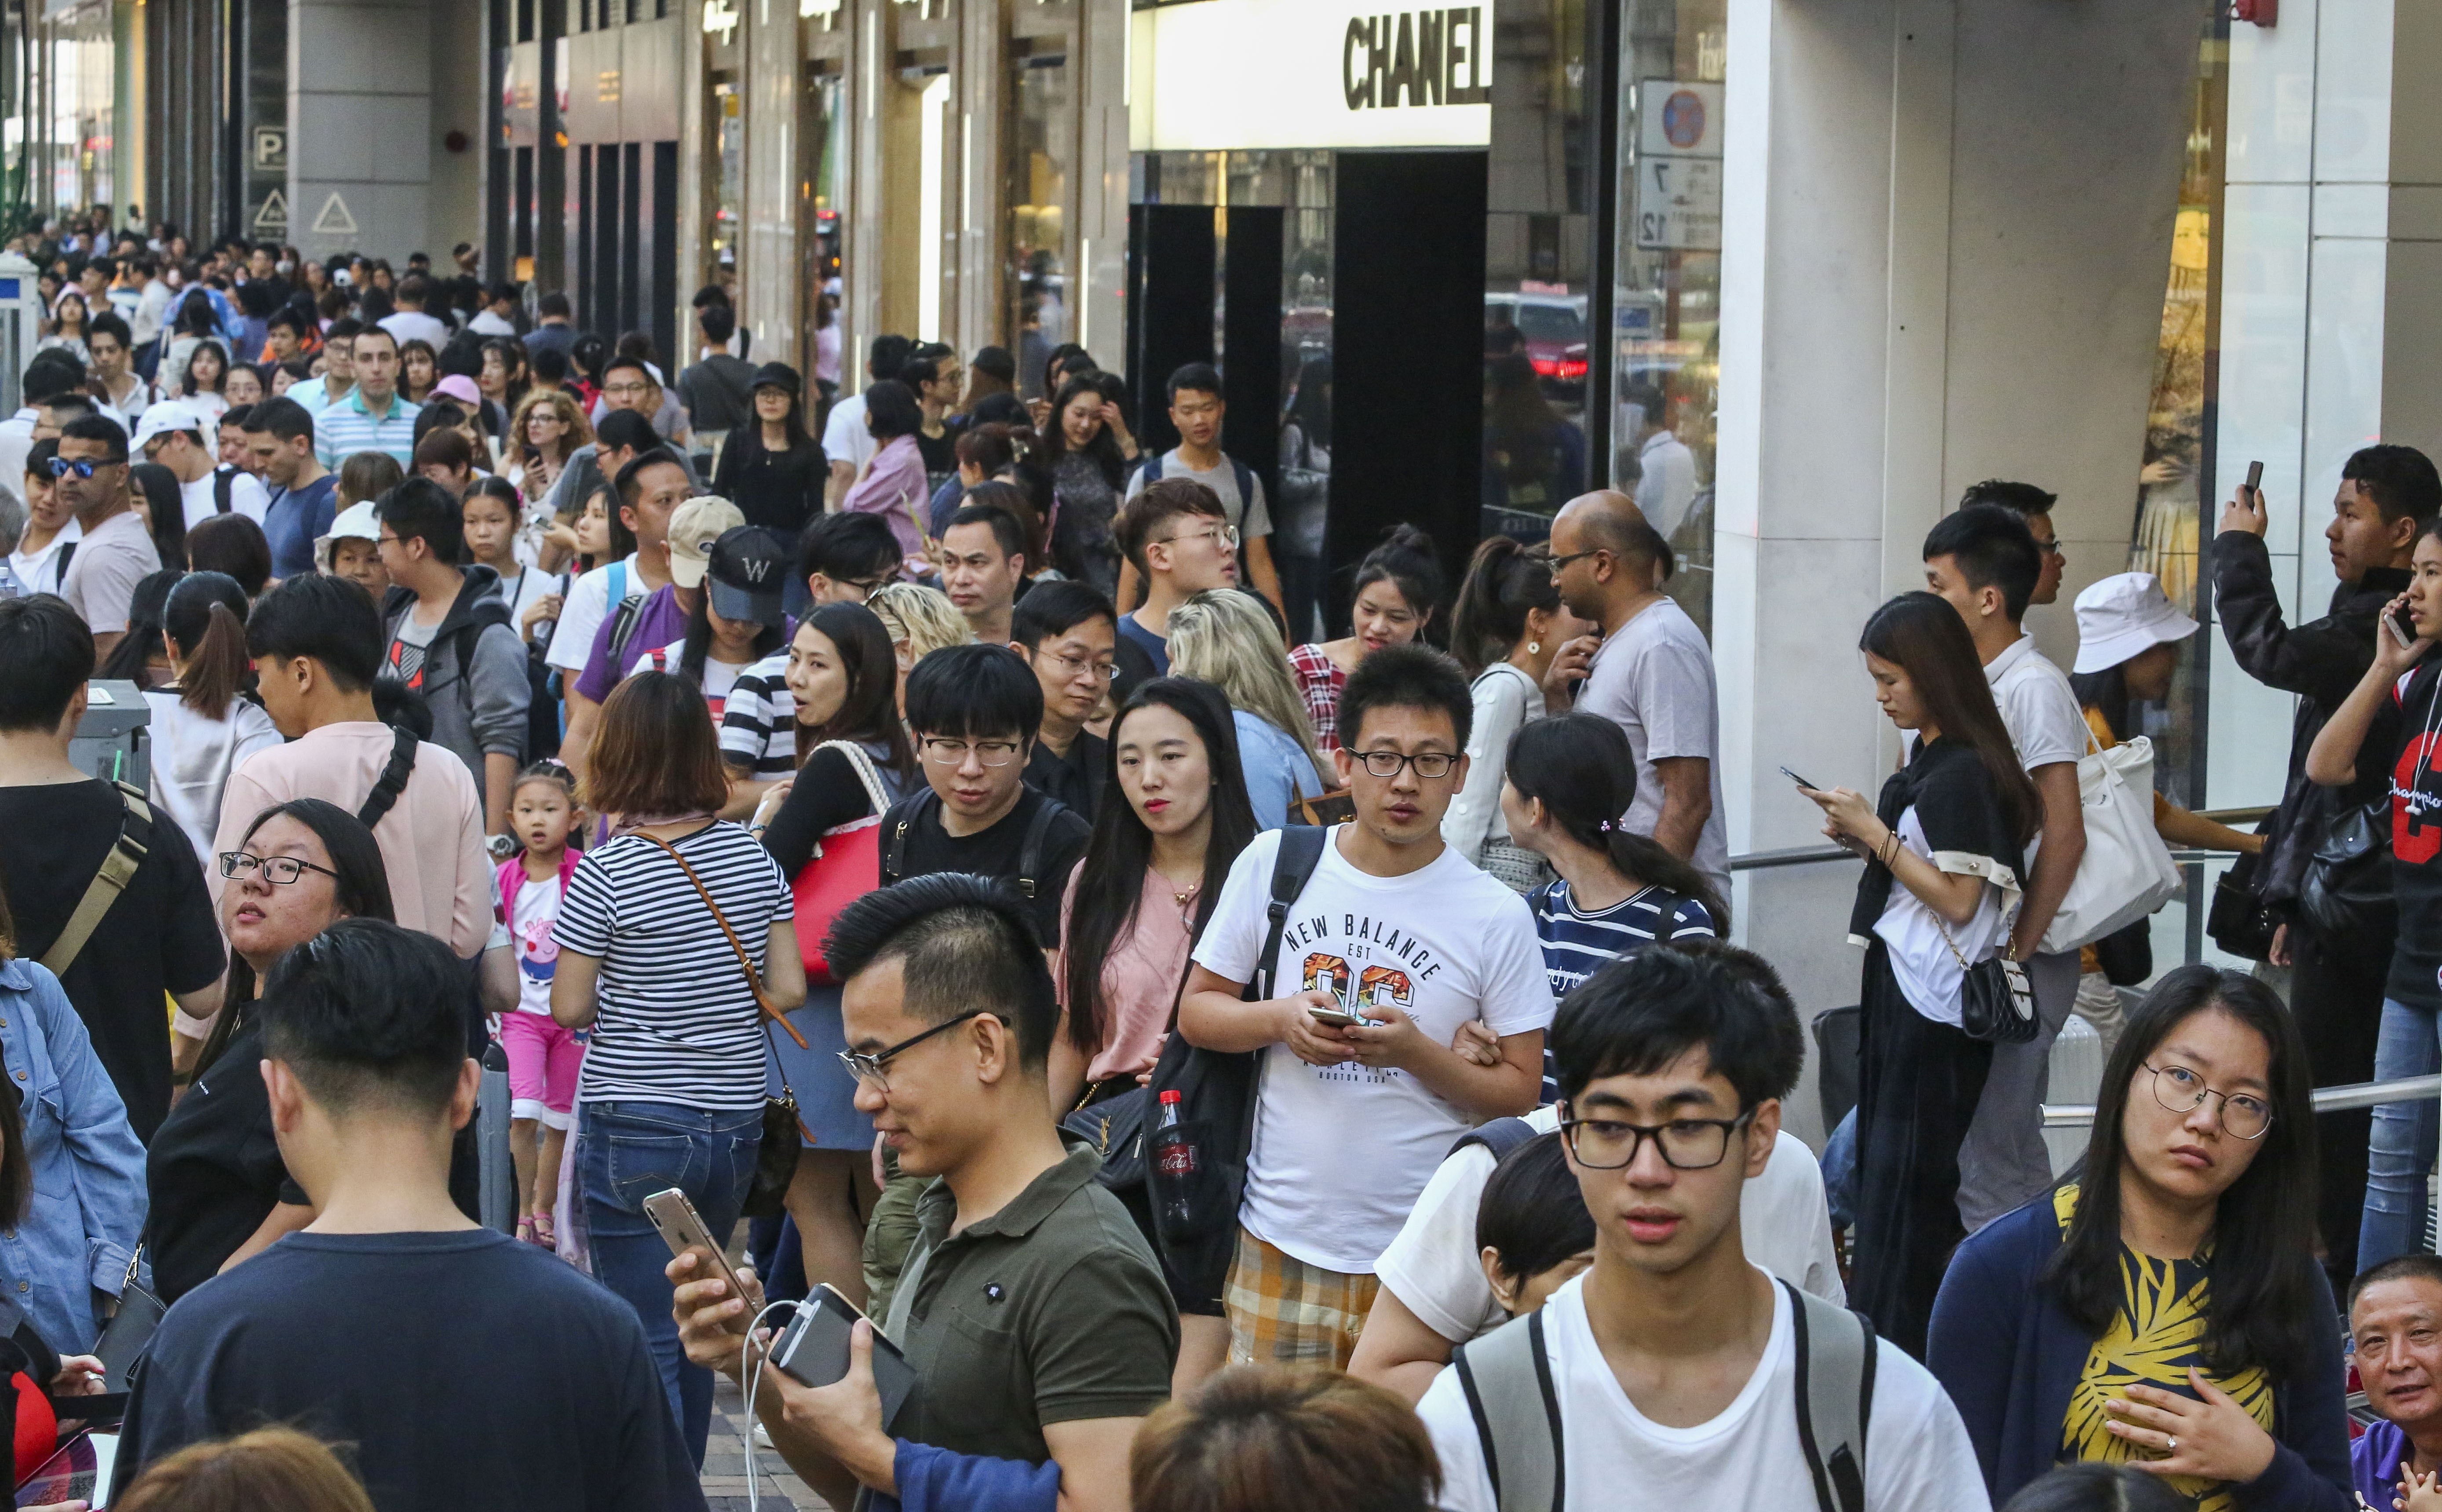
pixel 1228 1069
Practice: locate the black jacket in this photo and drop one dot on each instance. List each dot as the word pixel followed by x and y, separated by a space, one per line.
pixel 2322 662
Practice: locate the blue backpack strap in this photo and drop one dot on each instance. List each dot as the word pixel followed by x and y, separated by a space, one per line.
pixel 1499 1136
pixel 1244 477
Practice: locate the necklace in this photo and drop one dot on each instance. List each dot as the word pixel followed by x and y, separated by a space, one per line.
pixel 1192 888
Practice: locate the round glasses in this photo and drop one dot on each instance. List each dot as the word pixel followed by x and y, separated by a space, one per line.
pixel 278 870
pixel 2182 1090
pixel 1686 1144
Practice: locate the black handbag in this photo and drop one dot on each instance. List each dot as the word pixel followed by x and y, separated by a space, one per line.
pixel 128 1334
pixel 1996 1002
pixel 2346 895
pixel 2237 920
pixel 1115 1128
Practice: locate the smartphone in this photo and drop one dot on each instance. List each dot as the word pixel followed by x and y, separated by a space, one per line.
pixel 2403 626
pixel 683 1229
pixel 79 1471
pixel 1336 1018
pixel 2255 477
pixel 814 1350
pixel 1800 781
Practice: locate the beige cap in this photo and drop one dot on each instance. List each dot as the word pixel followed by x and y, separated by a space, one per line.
pixel 694 526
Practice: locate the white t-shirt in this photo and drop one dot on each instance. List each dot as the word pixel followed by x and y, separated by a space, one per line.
pixel 1654 680
pixel 719 676
pixel 844 438
pixel 519 590
pixel 415 325
pixel 1341 1152
pixel 192 758
pixel 1783 1219
pixel 530 922
pixel 248 497
pixel 40 570
pixel 2037 706
pixel 1249 518
pixel 588 605
pixel 1929 976
pixel 1918 1456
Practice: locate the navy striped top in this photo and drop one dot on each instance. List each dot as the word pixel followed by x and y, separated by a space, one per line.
pixel 1577 944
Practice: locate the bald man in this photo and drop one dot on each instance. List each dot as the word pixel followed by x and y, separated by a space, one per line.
pixel 1652 674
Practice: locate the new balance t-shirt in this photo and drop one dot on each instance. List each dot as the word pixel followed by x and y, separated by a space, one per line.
pixel 2405 733
pixel 1341 1152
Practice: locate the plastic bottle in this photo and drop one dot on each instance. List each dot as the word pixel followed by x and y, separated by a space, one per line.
pixel 1175 1164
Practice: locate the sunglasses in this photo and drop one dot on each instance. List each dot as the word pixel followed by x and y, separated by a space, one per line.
pixel 82 467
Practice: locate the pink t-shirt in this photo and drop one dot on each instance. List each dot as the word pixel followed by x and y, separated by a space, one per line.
pixel 432 840
pixel 1140 976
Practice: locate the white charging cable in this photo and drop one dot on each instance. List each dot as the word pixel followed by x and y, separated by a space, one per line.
pixel 753 1375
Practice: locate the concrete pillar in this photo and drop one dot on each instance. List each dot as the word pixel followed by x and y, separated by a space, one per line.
pixel 459 93
pixel 1946 233
pixel 771 280
pixel 361 142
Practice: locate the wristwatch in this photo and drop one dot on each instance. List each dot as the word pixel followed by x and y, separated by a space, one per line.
pixel 502 846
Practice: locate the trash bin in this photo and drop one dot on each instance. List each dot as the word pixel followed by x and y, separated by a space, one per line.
pixel 111 741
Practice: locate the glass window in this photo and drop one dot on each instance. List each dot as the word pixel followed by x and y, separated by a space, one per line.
pixel 1039 166
pixel 729 196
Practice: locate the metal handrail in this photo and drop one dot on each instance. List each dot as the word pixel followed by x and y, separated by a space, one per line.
pixel 1794 856
pixel 2328 1100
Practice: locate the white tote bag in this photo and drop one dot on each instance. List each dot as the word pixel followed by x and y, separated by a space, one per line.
pixel 2126 873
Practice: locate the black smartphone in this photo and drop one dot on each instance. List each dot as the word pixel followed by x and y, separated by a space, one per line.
pixel 2255 477
pixel 1800 781
pixel 2403 626
pixel 814 1350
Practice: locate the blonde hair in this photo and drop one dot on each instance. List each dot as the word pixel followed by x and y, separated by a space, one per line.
pixel 560 402
pixel 1222 636
pixel 271 1469
pixel 923 618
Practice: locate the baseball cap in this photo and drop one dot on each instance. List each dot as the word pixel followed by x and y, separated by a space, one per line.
pixel 2123 616
pixel 461 388
pixel 694 526
pixel 356 522
pixel 167 416
pixel 748 566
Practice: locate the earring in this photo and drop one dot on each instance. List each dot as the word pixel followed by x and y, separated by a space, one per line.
pixel 1534 647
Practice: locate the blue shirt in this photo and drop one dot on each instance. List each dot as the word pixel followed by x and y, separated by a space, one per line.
pixel 1278 770
pixel 342 430
pixel 296 519
pixel 88 1169
pixel 1154 645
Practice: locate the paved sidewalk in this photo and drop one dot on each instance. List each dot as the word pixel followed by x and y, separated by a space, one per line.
pixel 724 1464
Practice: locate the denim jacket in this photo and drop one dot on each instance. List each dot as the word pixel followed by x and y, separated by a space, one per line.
pixel 88 1168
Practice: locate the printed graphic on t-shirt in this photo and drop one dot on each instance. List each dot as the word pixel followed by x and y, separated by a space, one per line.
pixel 1368 965
pixel 537 953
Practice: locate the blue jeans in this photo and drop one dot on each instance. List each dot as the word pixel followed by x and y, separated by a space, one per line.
pixel 2399 1153
pixel 630 1151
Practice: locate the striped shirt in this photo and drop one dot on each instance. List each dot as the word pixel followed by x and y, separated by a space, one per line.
pixel 759 724
pixel 344 429
pixel 678 1021
pixel 1578 945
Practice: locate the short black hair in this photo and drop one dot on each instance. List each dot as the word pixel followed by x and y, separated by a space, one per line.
pixel 330 619
pixel 847 548
pixel 976 692
pixel 97 429
pixel 1532 1211
pixel 420 508
pixel 341 330
pixel 630 485
pixel 621 359
pixel 1641 1012
pixel 287 315
pixel 109 324
pixel 282 417
pixel 1006 533
pixel 50 375
pixel 553 303
pixel 2400 480
pixel 624 430
pixel 1201 376
pixel 891 410
pixel 2025 500
pixel 887 354
pixel 71 404
pixel 1055 608
pixel 45 655
pixel 962 942
pixel 718 320
pixel 2096 1486
pixel 551 363
pixel 1992 548
pixel 2416 1264
pixel 370 1016
pixel 1406 677
pixel 997 362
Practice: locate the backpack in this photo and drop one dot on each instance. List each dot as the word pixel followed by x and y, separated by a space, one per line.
pixel 1507 1377
pixel 1239 472
pixel 1030 851
pixel 1499 1136
pixel 625 611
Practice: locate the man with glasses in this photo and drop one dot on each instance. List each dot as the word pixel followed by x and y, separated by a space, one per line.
pixel 116 551
pixel 1395 942
pixel 841 559
pixel 1033 1315
pixel 1065 631
pixel 64 837
pixel 983 568
pixel 2034 506
pixel 1672 1365
pixel 1180 541
pixel 1197 409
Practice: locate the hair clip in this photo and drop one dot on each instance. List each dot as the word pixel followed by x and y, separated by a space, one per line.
pixel 1607 827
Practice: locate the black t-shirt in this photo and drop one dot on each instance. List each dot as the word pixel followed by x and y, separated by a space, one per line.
pixel 159 937
pixel 2404 735
pixel 213 1172
pixel 993 852
pixel 940 453
pixel 465 1370
pixel 1076 779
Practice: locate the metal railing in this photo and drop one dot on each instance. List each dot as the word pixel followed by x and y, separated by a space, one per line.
pixel 2328 1100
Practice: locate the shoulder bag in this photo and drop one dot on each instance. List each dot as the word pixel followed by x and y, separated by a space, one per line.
pixel 2126 873
pixel 847 860
pixel 2346 895
pixel 1996 1002
pixel 117 870
pixel 129 1333
pixel 785 1135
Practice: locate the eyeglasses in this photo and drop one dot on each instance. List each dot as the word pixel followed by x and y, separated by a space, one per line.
pixel 1559 562
pixel 954 753
pixel 1225 535
pixel 1429 764
pixel 1073 667
pixel 2182 1090
pixel 1686 1144
pixel 868 1069
pixel 2051 548
pixel 863 589
pixel 278 870
pixel 82 467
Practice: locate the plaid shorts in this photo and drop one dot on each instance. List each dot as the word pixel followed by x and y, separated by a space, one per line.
pixel 1287 1312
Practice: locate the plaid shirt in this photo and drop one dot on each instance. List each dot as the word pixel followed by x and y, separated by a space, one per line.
pixel 1319 682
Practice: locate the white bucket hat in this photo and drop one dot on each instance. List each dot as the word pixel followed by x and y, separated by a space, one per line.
pixel 2121 617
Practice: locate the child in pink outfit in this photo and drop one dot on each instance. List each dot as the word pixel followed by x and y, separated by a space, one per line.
pixel 543 1057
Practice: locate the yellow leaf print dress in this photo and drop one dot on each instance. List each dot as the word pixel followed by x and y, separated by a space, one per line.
pixel 2158 1333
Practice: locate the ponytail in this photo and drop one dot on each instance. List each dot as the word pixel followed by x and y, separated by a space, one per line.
pixel 1582 769
pixel 1649 860
pixel 205 617
pixel 1505 581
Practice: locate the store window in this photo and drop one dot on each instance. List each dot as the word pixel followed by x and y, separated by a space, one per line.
pixel 1667 297
pixel 1039 169
pixel 729 194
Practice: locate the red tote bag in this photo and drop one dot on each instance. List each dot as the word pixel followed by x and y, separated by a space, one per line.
pixel 846 865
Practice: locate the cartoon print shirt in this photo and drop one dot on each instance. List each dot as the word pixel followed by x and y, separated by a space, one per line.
pixel 1342 1152
pixel 2407 737
pixel 537 904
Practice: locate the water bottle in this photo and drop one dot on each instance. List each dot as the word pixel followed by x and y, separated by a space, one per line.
pixel 1173 1166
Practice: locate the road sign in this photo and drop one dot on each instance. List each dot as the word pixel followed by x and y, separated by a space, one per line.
pixel 272 219
pixel 1679 204
pixel 271 147
pixel 334 219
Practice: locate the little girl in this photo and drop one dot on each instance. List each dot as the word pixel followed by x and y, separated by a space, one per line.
pixel 543 1057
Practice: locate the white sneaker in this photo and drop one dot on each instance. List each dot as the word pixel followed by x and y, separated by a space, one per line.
pixel 762 1436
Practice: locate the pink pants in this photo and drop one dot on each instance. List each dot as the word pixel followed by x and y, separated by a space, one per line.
pixel 543 1062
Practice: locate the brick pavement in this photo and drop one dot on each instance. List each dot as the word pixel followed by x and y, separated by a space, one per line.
pixel 725 1465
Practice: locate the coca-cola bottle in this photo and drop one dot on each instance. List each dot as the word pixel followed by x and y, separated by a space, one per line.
pixel 1173 1167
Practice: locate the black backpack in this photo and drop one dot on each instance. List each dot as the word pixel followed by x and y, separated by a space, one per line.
pixel 1029 879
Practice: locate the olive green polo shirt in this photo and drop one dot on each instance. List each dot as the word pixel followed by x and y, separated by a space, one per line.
pixel 1051 1310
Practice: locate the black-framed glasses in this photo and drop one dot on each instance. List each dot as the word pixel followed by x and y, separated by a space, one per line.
pixel 278 870
pixel 1559 562
pixel 1686 1144
pixel 2182 1090
pixel 1429 764
pixel 942 751
pixel 871 1070
pixel 82 466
